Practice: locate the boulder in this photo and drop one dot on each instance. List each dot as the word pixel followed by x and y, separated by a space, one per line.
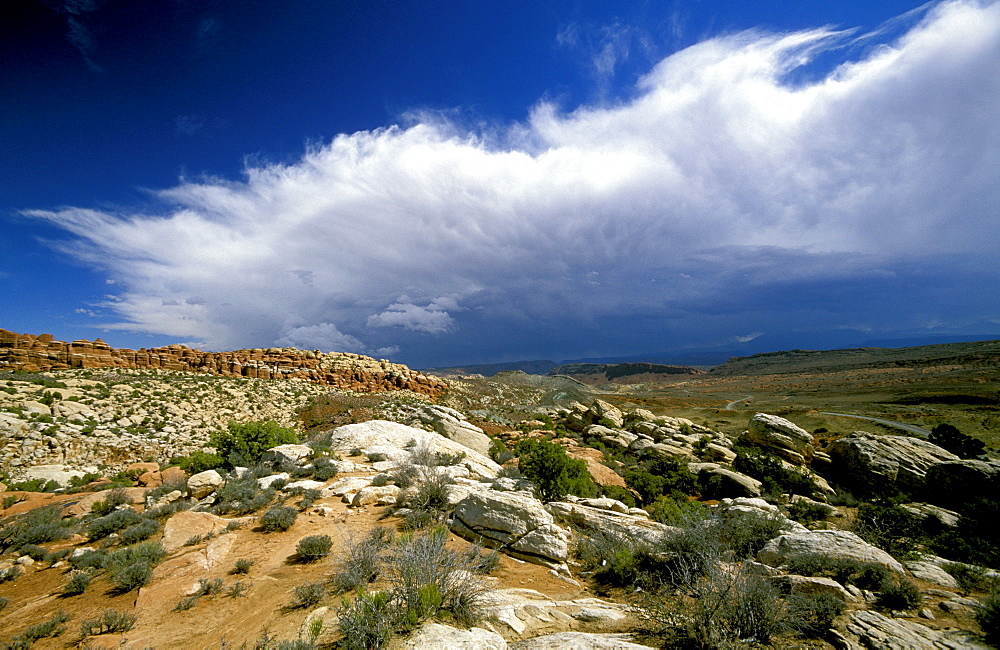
pixel 831 543
pixel 784 438
pixel 452 425
pixel 874 630
pixel 812 586
pixel 932 573
pixel 514 520
pixel 750 507
pixel 385 495
pixel 173 476
pixel 381 432
pixel 58 473
pixel 954 480
pixel 579 641
pixel 603 410
pixel 436 636
pixel 204 483
pixel 287 454
pixel 869 463
pixel 730 483
pixel 591 519
pixel 267 481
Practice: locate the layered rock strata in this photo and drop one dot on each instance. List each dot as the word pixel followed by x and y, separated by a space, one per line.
pixel 341 370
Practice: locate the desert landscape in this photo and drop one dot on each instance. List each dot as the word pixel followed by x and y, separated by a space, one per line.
pixel 608 506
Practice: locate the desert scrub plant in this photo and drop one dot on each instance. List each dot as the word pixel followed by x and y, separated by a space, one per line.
pixel 50 628
pixel 554 473
pixel 91 559
pixel 238 589
pixel 138 532
pixel 242 496
pixel 210 586
pixel 898 596
pixel 3 603
pixel 132 567
pixel 278 519
pixel 313 548
pixel 244 444
pixel 969 578
pixel 749 532
pixel 988 617
pixel 36 526
pixel 115 497
pixel 360 563
pixel 111 621
pixel 812 615
pixel 112 523
pixel 77 583
pixel 367 621
pixel 242 567
pixel 309 594
pixel 10 574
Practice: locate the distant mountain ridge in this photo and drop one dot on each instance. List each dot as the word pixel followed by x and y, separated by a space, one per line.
pixel 622 372
pixel 978 353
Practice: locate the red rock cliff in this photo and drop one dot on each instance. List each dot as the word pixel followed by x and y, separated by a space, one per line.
pixel 338 369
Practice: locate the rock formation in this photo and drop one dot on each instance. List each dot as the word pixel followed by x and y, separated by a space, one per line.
pixel 338 369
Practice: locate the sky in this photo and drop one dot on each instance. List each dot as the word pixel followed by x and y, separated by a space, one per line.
pixel 455 182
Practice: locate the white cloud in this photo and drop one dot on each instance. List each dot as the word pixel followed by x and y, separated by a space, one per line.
pixel 432 319
pixel 718 174
pixel 324 336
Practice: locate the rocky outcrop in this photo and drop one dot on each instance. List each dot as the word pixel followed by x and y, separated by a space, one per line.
pixel 452 425
pixel 953 481
pixel 515 521
pixel 874 630
pixel 831 543
pixel 870 463
pixel 591 520
pixel 781 436
pixel 435 636
pixel 402 439
pixel 338 369
pixel 579 641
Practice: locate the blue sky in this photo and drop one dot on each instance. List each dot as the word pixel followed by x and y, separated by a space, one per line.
pixel 457 182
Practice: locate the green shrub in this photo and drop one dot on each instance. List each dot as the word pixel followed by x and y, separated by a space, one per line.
pixel 812 615
pixel 367 622
pixel 988 617
pixel 238 589
pixel 244 444
pixel 3 603
pixel 241 567
pixel 115 497
pixel 90 559
pixel 111 621
pixel 242 496
pixel 50 628
pixel 309 594
pixel 198 461
pixel 889 527
pixel 313 548
pixel 360 563
pixel 962 445
pixel 10 574
pixel 140 531
pixel 499 452
pixel 36 553
pixel 555 474
pixel 968 577
pixel 117 520
pixel 278 518
pixel 36 526
pixel 898 597
pixel 132 577
pixel 806 512
pixel 78 583
pixel 769 470
pixel 670 511
pixel 620 494
pixel 749 532
pixel 661 476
